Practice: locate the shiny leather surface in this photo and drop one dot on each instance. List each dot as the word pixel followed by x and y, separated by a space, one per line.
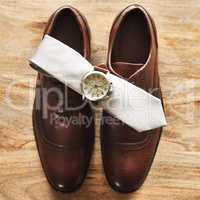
pixel 63 123
pixel 132 55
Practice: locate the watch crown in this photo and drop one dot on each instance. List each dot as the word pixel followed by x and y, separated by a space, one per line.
pixel 111 87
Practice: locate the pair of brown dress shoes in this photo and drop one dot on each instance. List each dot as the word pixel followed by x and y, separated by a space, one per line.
pixel 65 151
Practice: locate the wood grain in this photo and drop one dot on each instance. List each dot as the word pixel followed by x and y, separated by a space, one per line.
pixel 175 174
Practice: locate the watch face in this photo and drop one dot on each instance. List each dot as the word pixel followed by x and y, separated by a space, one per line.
pixel 95 86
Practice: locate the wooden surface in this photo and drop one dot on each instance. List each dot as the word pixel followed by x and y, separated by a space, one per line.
pixel 175 174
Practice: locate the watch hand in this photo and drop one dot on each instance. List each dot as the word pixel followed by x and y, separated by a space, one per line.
pixel 90 90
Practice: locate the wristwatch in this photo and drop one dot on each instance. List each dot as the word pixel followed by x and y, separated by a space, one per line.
pixel 95 85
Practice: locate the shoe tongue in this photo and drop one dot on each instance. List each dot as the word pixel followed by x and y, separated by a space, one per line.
pixel 126 70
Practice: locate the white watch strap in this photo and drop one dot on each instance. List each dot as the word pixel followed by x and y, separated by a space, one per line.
pixel 62 62
pixel 132 105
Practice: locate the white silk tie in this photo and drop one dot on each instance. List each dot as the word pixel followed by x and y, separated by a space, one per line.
pixel 130 104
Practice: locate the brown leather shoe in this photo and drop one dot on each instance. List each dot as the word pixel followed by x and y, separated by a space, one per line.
pixel 63 122
pixel 132 55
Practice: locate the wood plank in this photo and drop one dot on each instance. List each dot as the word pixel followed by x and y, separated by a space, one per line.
pixel 175 174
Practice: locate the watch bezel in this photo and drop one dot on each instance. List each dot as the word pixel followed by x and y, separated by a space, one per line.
pixel 96 98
